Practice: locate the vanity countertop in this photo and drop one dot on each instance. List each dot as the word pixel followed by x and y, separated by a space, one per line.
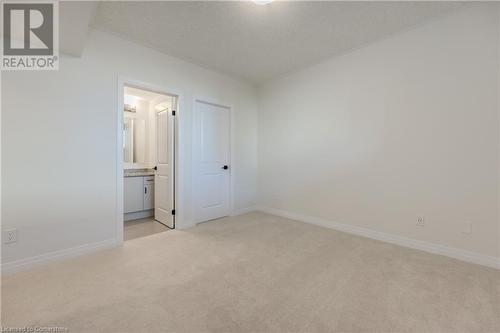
pixel 138 172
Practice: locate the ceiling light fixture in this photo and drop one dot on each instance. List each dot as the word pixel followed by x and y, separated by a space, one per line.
pixel 262 2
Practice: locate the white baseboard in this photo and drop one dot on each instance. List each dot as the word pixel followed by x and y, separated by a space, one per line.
pixel 138 215
pixel 452 252
pixel 242 211
pixel 24 264
pixel 184 225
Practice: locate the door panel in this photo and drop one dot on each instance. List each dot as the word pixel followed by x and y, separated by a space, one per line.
pixel 212 198
pixel 133 194
pixel 148 196
pixel 211 154
pixel 213 138
pixel 164 186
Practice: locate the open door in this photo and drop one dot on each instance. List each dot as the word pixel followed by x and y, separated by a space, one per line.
pixel 164 175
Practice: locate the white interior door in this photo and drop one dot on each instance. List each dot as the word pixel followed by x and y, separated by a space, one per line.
pixel 211 161
pixel 164 175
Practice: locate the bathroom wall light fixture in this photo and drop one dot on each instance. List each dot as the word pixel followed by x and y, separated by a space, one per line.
pixel 130 108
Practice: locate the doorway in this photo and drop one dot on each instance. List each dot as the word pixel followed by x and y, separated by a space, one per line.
pixel 148 146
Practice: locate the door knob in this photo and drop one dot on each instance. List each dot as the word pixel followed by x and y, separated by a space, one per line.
pixel 225 167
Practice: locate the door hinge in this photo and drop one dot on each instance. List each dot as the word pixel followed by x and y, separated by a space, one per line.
pixel 173 211
pixel 173 112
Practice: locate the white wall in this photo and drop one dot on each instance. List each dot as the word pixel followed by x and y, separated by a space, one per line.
pixel 498 118
pixel 403 127
pixel 59 142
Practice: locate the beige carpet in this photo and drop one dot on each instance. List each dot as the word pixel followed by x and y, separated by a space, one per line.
pixel 256 273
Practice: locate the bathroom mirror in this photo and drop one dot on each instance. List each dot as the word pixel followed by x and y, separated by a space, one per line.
pixel 134 141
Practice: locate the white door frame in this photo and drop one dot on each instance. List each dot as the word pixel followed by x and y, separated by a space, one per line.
pixel 178 153
pixel 229 106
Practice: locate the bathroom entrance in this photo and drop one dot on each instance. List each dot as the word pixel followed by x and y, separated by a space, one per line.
pixel 149 158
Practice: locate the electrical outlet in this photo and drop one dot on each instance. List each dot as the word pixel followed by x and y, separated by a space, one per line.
pixel 467 227
pixel 9 236
pixel 420 221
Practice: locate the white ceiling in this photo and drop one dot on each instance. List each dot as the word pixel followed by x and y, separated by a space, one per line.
pixel 255 42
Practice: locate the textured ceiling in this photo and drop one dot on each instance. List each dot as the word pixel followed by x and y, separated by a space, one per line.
pixel 255 42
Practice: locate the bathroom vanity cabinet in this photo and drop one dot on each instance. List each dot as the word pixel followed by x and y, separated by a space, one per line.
pixel 138 196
